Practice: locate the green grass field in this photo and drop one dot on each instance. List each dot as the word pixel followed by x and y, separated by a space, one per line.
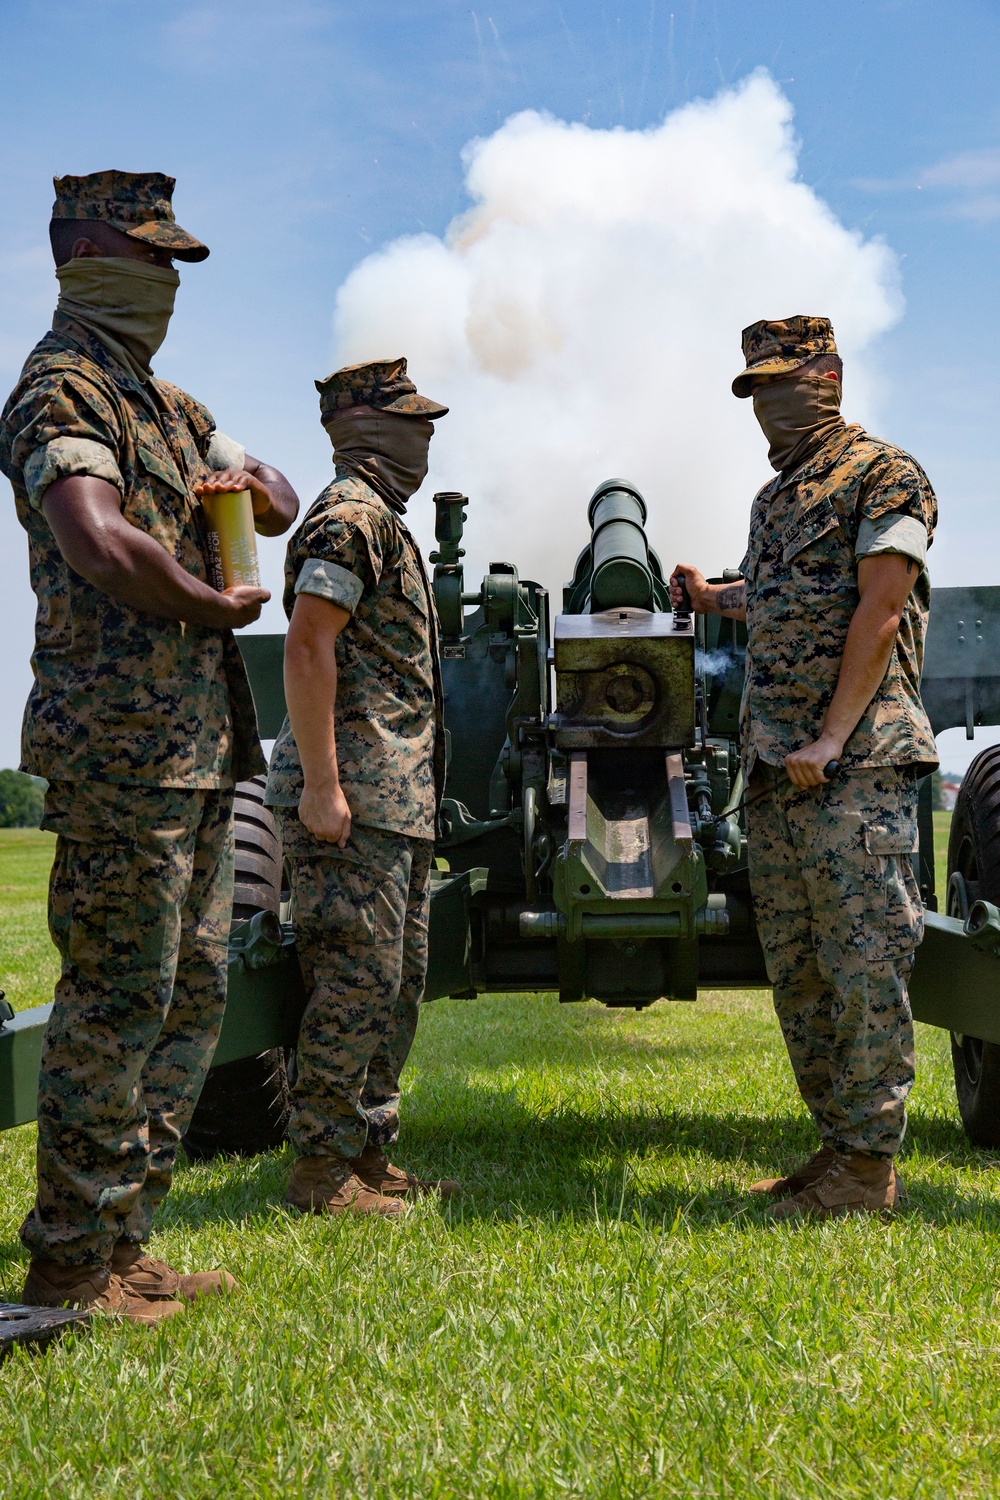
pixel 28 962
pixel 604 1315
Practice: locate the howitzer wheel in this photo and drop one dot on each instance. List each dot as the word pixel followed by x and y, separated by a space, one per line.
pixel 258 884
pixel 243 1108
pixel 974 874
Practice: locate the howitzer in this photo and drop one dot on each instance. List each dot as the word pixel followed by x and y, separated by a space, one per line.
pixel 592 833
pixel 595 836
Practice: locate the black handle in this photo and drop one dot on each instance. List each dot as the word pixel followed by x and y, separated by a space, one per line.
pixel 685 606
pixel 831 770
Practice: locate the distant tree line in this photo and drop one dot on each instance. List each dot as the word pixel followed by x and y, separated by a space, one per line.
pixel 21 800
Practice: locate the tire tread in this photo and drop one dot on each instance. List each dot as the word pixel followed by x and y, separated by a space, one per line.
pixel 244 1105
pixel 975 824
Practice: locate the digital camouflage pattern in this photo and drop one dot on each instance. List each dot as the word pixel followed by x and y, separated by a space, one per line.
pixel 839 915
pixel 139 908
pixel 360 917
pixel 778 348
pixel 383 383
pixel 119 695
pixel 137 203
pixel 802 591
pixel 353 550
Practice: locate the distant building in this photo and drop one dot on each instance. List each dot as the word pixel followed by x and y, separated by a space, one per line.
pixel 950 787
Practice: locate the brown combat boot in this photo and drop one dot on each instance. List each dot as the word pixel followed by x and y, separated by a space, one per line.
pixel 378 1173
pixel 853 1183
pixel 328 1185
pixel 155 1280
pixel 804 1176
pixel 49 1284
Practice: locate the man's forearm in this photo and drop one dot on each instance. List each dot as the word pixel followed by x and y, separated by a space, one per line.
pixel 729 599
pixel 311 695
pixel 311 698
pixel 884 583
pixel 690 588
pixel 141 574
pixel 284 502
pixel 126 563
pixel 867 652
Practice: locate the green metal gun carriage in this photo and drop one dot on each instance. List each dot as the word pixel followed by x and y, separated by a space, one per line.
pixel 592 839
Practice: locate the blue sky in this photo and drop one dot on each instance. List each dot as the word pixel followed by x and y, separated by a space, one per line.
pixel 305 135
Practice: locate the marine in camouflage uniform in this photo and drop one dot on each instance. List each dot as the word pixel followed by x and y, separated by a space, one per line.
pixel 360 906
pixel 837 905
pixel 141 724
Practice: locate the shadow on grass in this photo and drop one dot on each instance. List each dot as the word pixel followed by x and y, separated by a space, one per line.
pixel 515 1163
pixel 944 1137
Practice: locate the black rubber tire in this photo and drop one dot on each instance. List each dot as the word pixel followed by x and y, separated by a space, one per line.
pixel 258 853
pixel 974 875
pixel 243 1109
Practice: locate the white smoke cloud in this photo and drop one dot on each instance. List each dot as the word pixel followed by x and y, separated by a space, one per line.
pixel 583 320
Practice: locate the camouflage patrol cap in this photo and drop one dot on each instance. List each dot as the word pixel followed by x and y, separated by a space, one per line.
pixel 383 383
pixel 779 348
pixel 137 203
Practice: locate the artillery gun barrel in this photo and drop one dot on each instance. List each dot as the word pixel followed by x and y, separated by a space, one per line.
pixel 622 576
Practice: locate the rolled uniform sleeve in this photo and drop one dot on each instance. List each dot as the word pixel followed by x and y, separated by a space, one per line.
pixel 64 457
pixel 898 510
pixel 225 453
pixel 330 581
pixel 341 558
pixel 893 533
pixel 62 425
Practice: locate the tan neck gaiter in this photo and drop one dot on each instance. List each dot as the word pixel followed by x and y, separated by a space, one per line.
pixel 125 303
pixel 797 416
pixel 386 449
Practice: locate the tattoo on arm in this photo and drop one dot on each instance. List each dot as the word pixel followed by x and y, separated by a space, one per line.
pixel 733 596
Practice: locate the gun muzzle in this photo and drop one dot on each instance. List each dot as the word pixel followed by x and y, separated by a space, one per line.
pixel 622 577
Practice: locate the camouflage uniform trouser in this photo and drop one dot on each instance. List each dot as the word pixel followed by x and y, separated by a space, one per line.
pixel 839 916
pixel 140 901
pixel 360 917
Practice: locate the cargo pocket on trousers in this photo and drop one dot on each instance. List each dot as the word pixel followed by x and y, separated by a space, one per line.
pixel 103 940
pixel 374 913
pixel 894 916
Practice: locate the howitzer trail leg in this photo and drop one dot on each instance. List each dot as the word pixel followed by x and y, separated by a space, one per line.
pixel 839 917
pixel 120 886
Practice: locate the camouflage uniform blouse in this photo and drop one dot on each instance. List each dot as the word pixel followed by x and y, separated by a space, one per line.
pixel 856 497
pixel 353 550
pixel 119 695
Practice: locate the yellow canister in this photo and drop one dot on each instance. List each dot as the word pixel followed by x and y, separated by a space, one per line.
pixel 232 541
